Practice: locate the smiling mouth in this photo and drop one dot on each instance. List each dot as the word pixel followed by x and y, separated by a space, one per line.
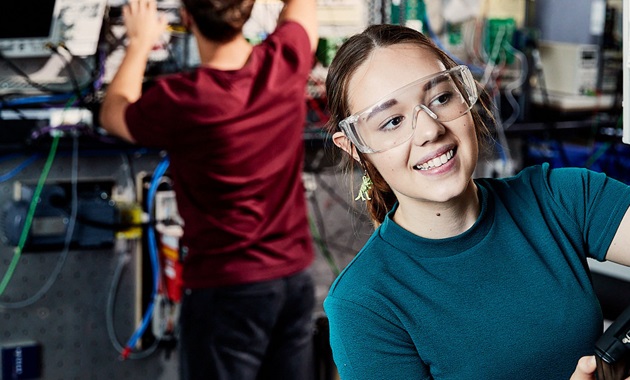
pixel 437 161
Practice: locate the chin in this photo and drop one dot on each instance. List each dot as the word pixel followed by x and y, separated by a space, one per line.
pixel 446 193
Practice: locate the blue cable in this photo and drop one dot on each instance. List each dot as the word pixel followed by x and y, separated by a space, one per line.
pixel 23 165
pixel 38 99
pixel 153 255
pixel 501 150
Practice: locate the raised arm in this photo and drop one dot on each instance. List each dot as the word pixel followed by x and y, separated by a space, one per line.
pixel 144 28
pixel 303 12
pixel 619 250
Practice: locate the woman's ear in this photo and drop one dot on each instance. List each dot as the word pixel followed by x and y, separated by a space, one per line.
pixel 344 143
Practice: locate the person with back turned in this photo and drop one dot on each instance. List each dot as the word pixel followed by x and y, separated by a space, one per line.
pixel 233 130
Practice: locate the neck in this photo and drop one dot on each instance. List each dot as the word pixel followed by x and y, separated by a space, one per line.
pixel 439 220
pixel 231 55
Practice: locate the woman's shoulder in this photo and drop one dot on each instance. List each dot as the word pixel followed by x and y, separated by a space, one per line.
pixel 361 271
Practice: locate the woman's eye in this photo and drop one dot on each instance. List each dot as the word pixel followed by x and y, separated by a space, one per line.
pixel 392 123
pixel 442 99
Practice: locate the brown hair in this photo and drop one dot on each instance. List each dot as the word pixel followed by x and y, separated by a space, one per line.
pixel 219 20
pixel 348 58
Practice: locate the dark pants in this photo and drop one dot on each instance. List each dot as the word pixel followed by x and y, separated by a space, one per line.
pixel 253 331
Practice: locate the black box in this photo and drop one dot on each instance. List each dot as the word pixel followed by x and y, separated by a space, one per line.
pixel 21 361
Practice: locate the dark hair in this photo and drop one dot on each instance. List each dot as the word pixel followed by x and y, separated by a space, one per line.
pixel 348 58
pixel 219 20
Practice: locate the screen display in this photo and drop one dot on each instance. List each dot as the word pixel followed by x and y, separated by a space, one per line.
pixel 26 18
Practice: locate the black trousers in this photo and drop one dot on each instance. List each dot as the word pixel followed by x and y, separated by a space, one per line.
pixel 254 331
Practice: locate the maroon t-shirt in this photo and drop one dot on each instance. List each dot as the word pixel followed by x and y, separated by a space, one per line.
pixel 235 142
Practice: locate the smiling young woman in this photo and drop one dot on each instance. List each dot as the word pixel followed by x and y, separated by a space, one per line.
pixel 464 278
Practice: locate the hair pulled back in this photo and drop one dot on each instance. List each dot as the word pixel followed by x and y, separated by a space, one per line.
pixel 219 20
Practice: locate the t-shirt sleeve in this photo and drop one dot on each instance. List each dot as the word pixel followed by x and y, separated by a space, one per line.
pixel 292 39
pixel 595 201
pixel 379 348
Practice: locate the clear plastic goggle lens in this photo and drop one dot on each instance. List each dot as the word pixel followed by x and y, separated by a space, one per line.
pixel 444 96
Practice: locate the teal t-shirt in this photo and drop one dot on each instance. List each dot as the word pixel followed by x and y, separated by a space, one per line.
pixel 511 298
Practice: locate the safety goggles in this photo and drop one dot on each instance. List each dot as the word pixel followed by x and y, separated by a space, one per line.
pixel 390 122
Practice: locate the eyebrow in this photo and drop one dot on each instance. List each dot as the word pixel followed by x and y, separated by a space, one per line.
pixel 381 107
pixel 435 81
pixel 392 102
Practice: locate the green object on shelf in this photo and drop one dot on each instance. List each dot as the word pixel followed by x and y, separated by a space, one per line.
pixel 500 33
pixel 454 33
pixel 326 50
pixel 413 10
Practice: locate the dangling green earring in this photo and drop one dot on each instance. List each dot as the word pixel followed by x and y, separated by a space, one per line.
pixel 366 185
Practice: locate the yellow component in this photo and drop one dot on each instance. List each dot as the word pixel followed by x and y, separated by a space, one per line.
pixel 130 215
pixel 170 252
pixel 177 29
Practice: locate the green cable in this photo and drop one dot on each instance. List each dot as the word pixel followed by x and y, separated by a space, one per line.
pixel 598 153
pixel 31 212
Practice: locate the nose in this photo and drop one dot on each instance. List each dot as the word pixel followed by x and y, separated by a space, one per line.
pixel 426 127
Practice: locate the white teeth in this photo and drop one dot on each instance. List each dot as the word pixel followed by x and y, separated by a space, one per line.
pixel 436 162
